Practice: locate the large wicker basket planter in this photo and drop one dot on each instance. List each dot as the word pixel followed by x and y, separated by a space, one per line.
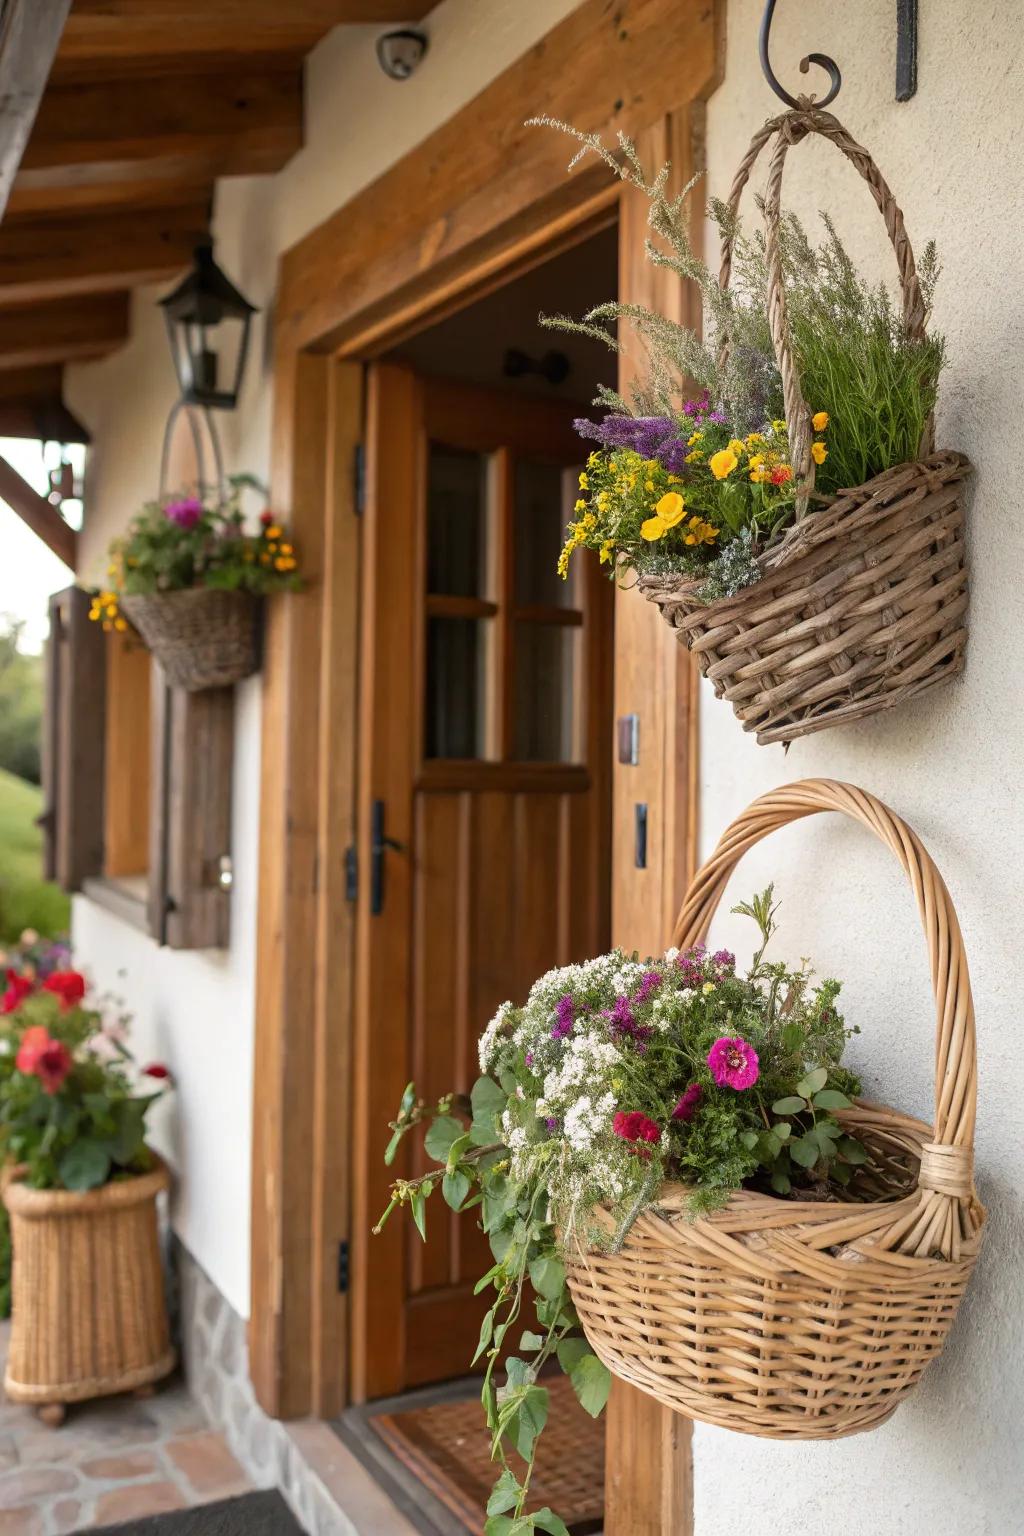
pixel 796 1319
pixel 89 1316
pixel 863 602
pixel 202 638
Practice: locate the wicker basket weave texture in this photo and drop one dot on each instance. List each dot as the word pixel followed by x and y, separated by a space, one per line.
pixel 863 602
pixel 89 1317
pixel 201 637
pixel 797 1319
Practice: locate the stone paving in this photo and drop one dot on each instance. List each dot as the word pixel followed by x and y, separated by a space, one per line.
pixel 112 1460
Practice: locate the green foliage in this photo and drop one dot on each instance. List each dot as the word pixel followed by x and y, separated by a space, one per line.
pixel 605 1084
pixel 75 1120
pixel 199 542
pixel 27 901
pixel 21 704
pixel 863 376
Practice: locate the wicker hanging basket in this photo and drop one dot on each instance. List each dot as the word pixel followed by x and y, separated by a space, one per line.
pixel 794 1319
pixel 202 638
pixel 863 602
pixel 89 1316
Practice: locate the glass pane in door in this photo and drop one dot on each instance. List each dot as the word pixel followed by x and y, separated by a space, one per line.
pixel 547 724
pixel 544 497
pixel 456 522
pixel 454 717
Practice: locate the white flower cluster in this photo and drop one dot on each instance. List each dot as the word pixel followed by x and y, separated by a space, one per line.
pixel 491 1036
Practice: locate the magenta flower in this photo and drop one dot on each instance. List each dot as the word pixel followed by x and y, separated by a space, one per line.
pixel 186 513
pixel 563 1017
pixel 687 1105
pixel 650 981
pixel 734 1063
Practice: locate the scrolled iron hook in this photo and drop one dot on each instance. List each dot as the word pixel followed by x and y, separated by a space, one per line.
pixel 821 59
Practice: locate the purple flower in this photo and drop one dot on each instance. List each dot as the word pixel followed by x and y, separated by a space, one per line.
pixel 552 1123
pixel 650 981
pixel 686 1108
pixel 186 513
pixel 724 959
pixel 563 1018
pixel 734 1063
pixel 653 437
pixel 691 963
pixel 529 1058
pixel 622 1024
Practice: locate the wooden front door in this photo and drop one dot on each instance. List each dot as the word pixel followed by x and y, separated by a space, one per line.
pixel 484 803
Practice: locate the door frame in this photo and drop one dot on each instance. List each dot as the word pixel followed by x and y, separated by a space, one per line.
pixel 445 225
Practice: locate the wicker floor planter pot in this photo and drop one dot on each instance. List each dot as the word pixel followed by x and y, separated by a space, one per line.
pixel 863 602
pixel 89 1316
pixel 202 638
pixel 795 1319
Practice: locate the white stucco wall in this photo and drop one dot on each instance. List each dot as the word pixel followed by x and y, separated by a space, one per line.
pixel 196 1010
pixel 950 1461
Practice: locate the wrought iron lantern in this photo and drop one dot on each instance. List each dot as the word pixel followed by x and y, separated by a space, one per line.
pixel 208 324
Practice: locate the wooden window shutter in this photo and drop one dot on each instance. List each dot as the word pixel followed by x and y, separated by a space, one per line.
pixel 190 825
pixel 74 733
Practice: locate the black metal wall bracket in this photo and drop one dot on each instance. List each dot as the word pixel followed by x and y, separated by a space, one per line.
pixel 906 57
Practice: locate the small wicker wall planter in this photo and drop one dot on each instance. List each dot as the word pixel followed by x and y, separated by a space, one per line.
pixel 202 637
pixel 89 1317
pixel 863 602
pixel 798 1319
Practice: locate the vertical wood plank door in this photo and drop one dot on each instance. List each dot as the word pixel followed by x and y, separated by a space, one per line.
pixel 484 804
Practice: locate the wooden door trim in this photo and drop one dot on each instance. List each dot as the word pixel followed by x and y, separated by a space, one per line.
pixel 488 199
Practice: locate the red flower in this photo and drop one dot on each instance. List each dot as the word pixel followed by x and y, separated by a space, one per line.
pixel 39 1055
pixel 686 1108
pixel 18 988
pixel 266 517
pixel 635 1127
pixel 780 475
pixel 68 985
pixel 158 1070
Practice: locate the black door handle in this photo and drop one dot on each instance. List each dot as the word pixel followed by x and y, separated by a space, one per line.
pixel 379 843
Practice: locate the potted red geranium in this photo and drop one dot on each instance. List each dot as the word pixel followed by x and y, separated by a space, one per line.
pixel 89 1315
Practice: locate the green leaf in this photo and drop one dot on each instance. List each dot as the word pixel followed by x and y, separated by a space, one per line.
pixel 831 1098
pixel 418 1203
pixel 392 1146
pixel 504 1493
pixel 805 1151
pixel 533 1415
pixel 444 1131
pixel 591 1381
pixel 455 1188
pixel 792 1037
pixel 782 1129
pixel 455 1151
pixel 789 1106
pixel 781 1182
pixel 488 1101
pixel 853 1150
pixel 547 1275
pixel 810 1084
pixel 749 1140
pixel 85 1165
pixel 531 1342
pixel 486 1330
pixel 545 1520
pixel 498 1525
pixel 570 1352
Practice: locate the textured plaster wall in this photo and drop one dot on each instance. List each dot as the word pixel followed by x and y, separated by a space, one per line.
pixel 196 1010
pixel 950 1461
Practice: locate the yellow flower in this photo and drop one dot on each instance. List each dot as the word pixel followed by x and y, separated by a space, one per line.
pixel 580 506
pixel 756 461
pixel 758 476
pixel 274 532
pixel 722 463
pixel 754 439
pixel 694 437
pixel 648 485
pixel 695 457
pixel 819 421
pixel 778 426
pixel 675 480
pixel 284 563
pixel 652 529
pixel 264 559
pixel 593 459
pixel 606 551
pixel 708 988
pixel 584 482
pixel 699 532
pixel 819 453
pixel 121 624
pixel 671 508
pixel 611 463
pixel 737 447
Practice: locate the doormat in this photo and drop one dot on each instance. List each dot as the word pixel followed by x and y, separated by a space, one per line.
pixel 254 1514
pixel 447 1448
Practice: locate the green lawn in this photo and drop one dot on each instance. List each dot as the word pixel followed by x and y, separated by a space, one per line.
pixel 26 899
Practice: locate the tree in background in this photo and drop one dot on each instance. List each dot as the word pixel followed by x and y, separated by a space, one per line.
pixel 21 704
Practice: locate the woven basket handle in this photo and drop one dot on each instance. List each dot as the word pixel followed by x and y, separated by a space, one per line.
pixel 791 128
pixel 947 1166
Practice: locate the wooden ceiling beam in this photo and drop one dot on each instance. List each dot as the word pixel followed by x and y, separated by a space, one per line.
pixel 63 330
pixel 176 185
pixel 29 34
pixel 40 515
pixel 96 252
pixel 32 405
pixel 164 128
pixel 127 34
